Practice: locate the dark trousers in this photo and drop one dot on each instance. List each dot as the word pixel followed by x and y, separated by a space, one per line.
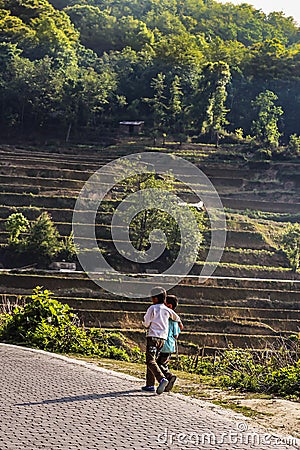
pixel 162 361
pixel 153 371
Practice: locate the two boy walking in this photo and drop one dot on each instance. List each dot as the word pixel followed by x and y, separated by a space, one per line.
pixel 164 325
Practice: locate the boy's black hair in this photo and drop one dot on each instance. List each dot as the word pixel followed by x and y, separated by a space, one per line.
pixel 172 300
pixel 160 293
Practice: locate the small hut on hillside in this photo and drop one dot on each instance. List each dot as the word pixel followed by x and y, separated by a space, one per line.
pixel 131 127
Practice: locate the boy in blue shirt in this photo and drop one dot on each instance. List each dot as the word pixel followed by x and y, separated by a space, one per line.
pixel 169 346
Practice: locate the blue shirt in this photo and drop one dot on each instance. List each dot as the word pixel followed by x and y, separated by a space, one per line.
pixel 174 330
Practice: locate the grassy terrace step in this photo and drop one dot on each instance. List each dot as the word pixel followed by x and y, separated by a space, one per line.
pixel 225 175
pixel 39 188
pixel 223 269
pixel 210 340
pixel 260 314
pixel 220 177
pixel 41 172
pixel 252 259
pixel 106 155
pixel 242 293
pixel 53 182
pixel 192 323
pixel 51 162
pixel 242 232
pixel 58 215
pixel 45 201
pixel 41 182
pixel 186 310
pixel 189 284
pixel 195 152
pixel 11 199
pixel 234 238
pixel 75 153
pixel 36 189
pixel 251 271
pixel 280 196
pixel 247 240
pixel 268 206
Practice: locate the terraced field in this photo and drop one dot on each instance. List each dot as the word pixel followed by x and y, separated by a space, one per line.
pixel 223 310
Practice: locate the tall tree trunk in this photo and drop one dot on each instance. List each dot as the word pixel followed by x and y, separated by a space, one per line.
pixel 69 132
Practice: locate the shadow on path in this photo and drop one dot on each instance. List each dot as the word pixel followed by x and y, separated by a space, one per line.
pixel 82 398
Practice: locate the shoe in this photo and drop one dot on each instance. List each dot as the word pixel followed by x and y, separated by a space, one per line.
pixel 148 388
pixel 170 385
pixel 162 385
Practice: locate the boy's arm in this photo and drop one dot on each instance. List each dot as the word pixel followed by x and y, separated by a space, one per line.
pixel 176 330
pixel 148 317
pixel 176 318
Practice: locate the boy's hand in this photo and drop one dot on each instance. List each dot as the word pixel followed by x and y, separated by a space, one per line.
pixel 180 326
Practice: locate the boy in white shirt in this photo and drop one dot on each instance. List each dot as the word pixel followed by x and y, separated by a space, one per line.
pixel 156 320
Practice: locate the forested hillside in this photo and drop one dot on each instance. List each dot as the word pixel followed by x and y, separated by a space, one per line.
pixel 186 67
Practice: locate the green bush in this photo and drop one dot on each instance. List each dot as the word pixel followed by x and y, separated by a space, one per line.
pixel 194 364
pixel 39 241
pixel 285 381
pixel 61 338
pixel 278 374
pixel 47 324
pixel 294 144
pixel 117 344
pixel 290 244
pixel 237 368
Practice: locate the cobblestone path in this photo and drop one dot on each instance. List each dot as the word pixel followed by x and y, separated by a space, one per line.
pixel 53 402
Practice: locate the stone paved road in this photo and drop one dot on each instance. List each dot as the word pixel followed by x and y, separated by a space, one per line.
pixel 52 402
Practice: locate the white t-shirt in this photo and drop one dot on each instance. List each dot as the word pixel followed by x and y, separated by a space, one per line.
pixel 157 318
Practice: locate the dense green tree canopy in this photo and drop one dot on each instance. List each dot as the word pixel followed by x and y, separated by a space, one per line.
pixel 83 63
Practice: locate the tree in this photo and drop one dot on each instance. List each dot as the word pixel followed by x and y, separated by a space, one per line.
pixel 267 59
pixel 178 50
pixel 175 108
pixel 15 31
pixel 265 127
pixel 43 240
pixel 102 31
pixel 153 218
pixel 158 102
pixel 32 92
pixel 37 27
pixel 15 225
pixel 217 76
pixel 97 27
pixel 68 249
pixel 86 94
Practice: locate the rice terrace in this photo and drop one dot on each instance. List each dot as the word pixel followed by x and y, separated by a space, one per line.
pixel 252 297
pixel 149 162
